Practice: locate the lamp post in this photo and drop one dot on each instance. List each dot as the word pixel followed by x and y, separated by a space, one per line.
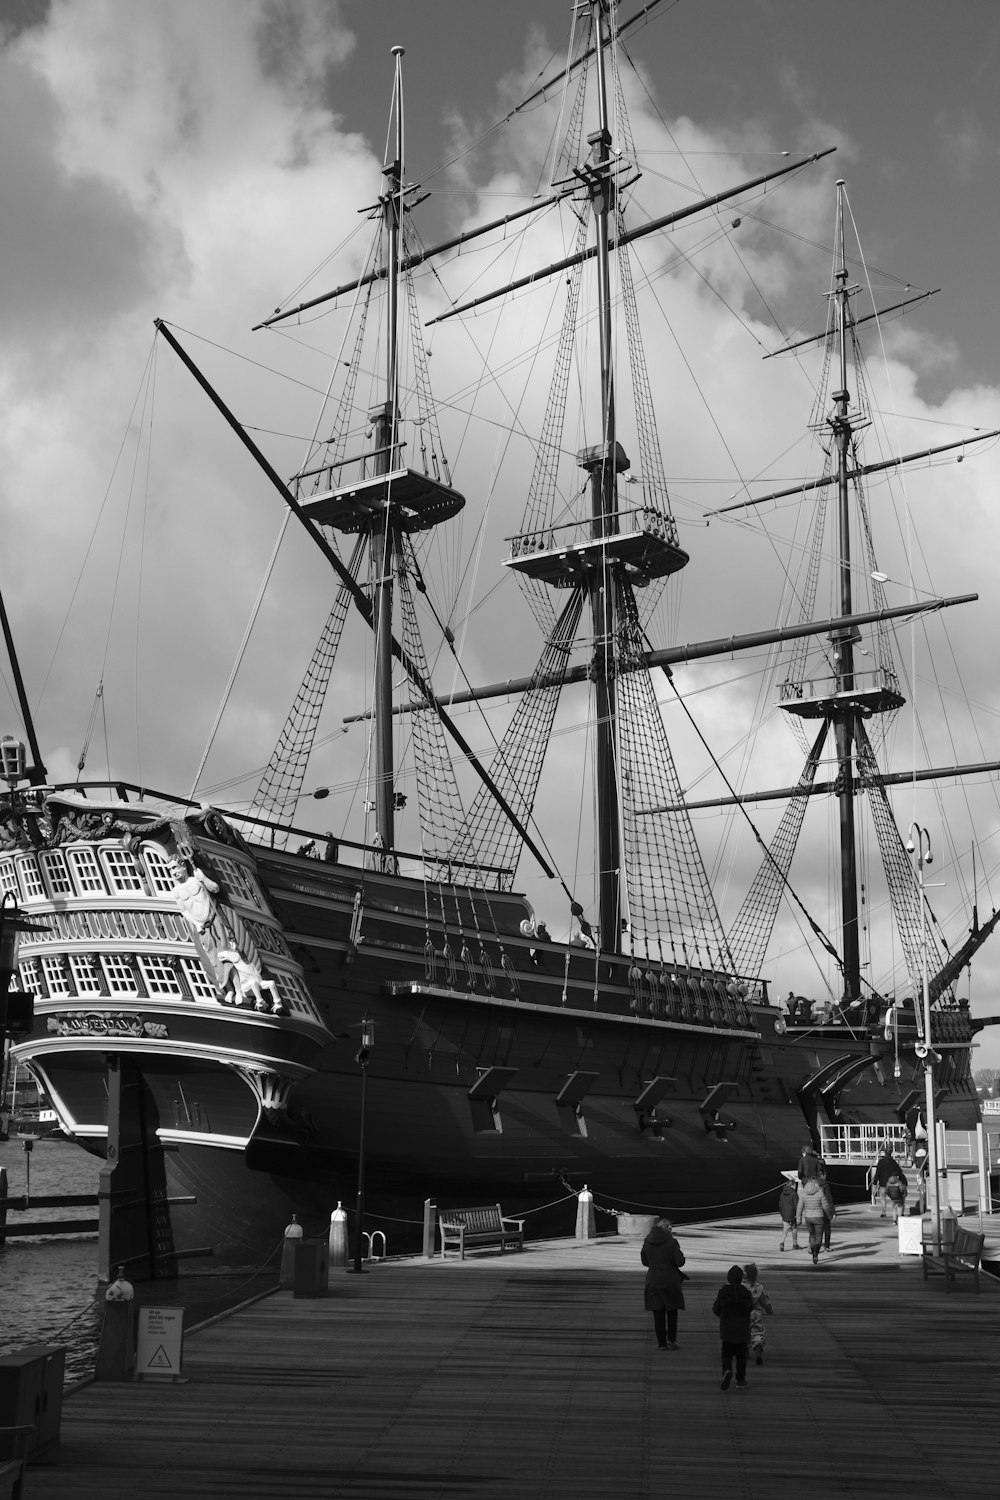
pixel 364 1054
pixel 919 846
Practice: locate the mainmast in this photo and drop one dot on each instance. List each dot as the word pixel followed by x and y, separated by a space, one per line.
pixel 602 464
pixel 383 538
pixel 843 717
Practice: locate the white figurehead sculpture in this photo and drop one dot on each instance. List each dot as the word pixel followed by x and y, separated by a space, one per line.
pixel 195 894
pixel 249 983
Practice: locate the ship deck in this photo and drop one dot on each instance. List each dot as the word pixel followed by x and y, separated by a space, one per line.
pixel 537 1375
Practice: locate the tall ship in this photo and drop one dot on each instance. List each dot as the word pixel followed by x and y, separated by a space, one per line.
pixel 236 1005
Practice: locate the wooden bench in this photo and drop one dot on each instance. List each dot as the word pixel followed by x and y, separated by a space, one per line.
pixel 964 1255
pixel 467 1228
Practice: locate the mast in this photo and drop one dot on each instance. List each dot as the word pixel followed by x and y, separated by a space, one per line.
pixel 843 640
pixel 601 581
pixel 383 540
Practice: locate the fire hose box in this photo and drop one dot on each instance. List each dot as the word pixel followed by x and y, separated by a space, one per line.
pixel 312 1268
pixel 31 1387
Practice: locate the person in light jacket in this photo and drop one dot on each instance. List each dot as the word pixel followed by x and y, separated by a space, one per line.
pixel 664 1289
pixel 815 1207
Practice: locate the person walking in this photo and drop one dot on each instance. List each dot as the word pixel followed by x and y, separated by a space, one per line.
pixel 895 1191
pixel 887 1166
pixel 815 1205
pixel 808 1163
pixel 828 1217
pixel 664 1288
pixel 788 1208
pixel 733 1306
pixel 761 1305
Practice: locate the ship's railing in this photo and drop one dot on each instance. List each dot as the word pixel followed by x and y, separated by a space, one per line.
pixel 645 518
pixel 315 844
pixel 861 1142
pixel 878 680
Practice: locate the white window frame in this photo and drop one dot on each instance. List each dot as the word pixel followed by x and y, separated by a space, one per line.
pixel 56 978
pixel 88 882
pixel 161 978
pixel 56 873
pixel 157 864
pixel 119 974
pixel 30 877
pixel 245 886
pixel 122 870
pixel 294 993
pixel 86 973
pixel 201 986
pixel 31 975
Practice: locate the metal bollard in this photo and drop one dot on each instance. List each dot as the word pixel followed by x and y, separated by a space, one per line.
pixel 586 1229
pixel 293 1235
pixel 430 1226
pixel 338 1236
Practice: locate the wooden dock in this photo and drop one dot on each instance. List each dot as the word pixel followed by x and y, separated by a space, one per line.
pixel 537 1375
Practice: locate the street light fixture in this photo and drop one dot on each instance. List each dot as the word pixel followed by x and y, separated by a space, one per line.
pixel 920 846
pixel 363 1057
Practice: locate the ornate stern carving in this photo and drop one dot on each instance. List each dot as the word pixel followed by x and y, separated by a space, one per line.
pixel 272 1090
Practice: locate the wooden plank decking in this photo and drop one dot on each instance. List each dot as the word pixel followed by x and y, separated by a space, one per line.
pixel 536 1375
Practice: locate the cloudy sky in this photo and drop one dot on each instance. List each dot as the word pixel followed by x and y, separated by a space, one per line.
pixel 203 160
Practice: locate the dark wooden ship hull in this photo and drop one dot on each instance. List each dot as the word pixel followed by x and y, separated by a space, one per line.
pixel 519 1072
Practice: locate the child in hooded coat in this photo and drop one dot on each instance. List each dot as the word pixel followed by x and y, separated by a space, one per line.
pixel 761 1305
pixel 733 1307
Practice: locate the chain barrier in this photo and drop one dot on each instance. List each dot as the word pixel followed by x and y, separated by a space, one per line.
pixel 389 1218
pixel 248 1279
pixel 706 1209
pixel 97 1301
pixel 542 1206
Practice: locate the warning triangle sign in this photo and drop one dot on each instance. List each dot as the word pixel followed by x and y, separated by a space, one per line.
pixel 159 1360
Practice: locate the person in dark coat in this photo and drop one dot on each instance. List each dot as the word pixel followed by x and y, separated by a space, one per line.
pixel 788 1208
pixel 830 1212
pixel 664 1290
pixel 733 1307
pixel 808 1163
pixel 887 1166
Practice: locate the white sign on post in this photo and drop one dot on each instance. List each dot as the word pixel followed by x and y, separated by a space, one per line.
pixel 160 1343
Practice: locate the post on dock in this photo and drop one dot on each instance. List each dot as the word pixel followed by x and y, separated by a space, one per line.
pixel 585 1226
pixel 116 1351
pixel 982 1161
pixel 338 1236
pixel 430 1227
pixel 3 1206
pixel 293 1235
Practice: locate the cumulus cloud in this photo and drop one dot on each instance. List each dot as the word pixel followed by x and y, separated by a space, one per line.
pixel 188 163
